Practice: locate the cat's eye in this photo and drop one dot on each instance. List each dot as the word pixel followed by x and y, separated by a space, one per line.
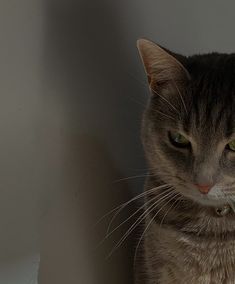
pixel 179 140
pixel 231 145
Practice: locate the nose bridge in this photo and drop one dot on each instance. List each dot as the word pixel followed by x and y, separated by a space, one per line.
pixel 205 167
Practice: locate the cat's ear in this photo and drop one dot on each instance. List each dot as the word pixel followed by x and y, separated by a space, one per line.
pixel 161 66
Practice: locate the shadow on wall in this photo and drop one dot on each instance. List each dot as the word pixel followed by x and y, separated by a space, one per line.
pixel 86 82
pixel 86 66
pixel 70 242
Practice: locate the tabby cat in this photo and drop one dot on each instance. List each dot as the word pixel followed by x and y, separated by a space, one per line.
pixel 188 133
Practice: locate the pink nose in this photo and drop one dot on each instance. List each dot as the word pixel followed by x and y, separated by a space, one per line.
pixel 204 188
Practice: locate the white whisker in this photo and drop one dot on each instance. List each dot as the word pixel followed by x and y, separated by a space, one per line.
pixel 150 222
pixel 139 209
pixel 132 177
pixel 139 220
pixel 181 97
pixel 163 98
pixel 174 108
pixel 143 194
pixel 166 115
pixel 172 206
pixel 108 233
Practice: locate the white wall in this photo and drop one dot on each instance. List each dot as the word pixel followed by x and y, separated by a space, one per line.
pixel 71 97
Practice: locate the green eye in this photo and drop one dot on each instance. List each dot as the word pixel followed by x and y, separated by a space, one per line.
pixel 231 145
pixel 179 140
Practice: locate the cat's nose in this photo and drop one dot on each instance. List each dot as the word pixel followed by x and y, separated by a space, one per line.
pixel 204 188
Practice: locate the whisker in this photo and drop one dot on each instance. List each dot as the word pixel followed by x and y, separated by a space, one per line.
pixel 172 206
pixel 139 220
pixel 150 222
pixel 181 97
pixel 139 209
pixel 143 194
pixel 142 104
pixel 163 98
pixel 132 177
pixel 155 92
pixel 108 234
pixel 166 115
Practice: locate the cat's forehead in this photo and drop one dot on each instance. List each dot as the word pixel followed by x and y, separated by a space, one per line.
pixel 210 95
pixel 212 63
pixel 212 76
pixel 210 115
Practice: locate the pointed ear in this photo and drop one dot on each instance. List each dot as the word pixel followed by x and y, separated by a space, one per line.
pixel 161 67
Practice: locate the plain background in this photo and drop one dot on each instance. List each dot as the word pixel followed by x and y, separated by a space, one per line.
pixel 72 91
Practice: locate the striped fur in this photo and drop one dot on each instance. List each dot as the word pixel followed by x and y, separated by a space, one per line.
pixel 185 241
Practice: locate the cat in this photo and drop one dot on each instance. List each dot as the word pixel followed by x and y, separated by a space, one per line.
pixel 188 133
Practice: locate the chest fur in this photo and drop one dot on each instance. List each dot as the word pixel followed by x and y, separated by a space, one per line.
pixel 179 258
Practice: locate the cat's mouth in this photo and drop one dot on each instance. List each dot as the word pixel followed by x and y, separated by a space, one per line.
pixel 220 194
pixel 217 196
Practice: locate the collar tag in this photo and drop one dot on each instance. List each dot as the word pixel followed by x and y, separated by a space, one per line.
pixel 222 211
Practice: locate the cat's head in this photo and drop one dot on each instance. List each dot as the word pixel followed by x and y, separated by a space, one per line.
pixel 189 123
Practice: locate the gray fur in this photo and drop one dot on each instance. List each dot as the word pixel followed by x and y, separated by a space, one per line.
pixel 186 241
